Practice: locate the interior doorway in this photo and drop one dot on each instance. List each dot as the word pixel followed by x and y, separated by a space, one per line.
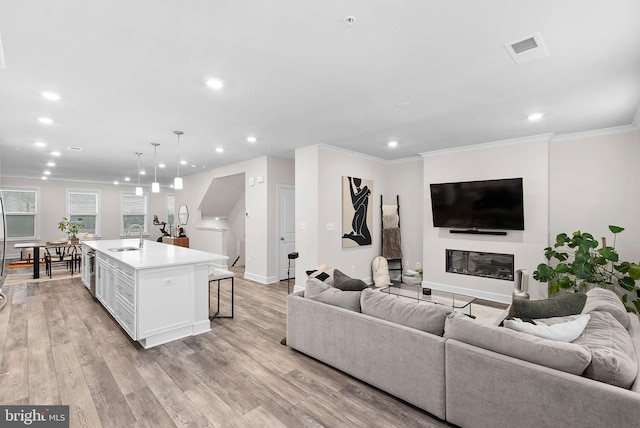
pixel 286 229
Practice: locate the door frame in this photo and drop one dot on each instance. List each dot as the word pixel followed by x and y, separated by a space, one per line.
pixel 281 257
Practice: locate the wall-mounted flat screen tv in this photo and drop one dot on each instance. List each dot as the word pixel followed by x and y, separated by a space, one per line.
pixel 486 204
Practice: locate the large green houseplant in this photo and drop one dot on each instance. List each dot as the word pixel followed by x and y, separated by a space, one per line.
pixel 575 262
pixel 71 228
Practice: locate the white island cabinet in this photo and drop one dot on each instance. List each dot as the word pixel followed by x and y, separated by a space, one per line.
pixel 157 293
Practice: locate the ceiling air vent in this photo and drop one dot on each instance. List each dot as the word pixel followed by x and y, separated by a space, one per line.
pixel 529 48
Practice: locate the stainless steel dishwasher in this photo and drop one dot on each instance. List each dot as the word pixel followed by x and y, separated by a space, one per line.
pixel 91 258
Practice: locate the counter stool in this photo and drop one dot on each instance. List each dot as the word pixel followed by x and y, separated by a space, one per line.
pixel 219 275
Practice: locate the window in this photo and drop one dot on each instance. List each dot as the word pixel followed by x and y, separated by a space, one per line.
pixel 83 207
pixel 21 209
pixel 134 211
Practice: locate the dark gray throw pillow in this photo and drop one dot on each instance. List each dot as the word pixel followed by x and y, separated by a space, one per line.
pixel 346 283
pixel 558 306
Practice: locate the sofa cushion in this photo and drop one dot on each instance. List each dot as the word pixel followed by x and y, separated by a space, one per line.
pixel 601 299
pixel 322 292
pixel 427 317
pixel 557 306
pixel 564 356
pixel 613 358
pixel 346 283
pixel 567 331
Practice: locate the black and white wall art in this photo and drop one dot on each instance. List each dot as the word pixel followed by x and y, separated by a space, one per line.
pixel 357 212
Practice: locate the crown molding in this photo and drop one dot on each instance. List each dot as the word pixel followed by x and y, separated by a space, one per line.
pixel 493 144
pixel 595 133
pixel 367 157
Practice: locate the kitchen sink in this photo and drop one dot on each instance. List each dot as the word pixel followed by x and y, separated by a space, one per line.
pixel 120 249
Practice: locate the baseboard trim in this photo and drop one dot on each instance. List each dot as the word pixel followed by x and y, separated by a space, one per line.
pixel 485 295
pixel 260 279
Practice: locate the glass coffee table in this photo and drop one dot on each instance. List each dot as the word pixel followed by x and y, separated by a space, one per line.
pixel 457 301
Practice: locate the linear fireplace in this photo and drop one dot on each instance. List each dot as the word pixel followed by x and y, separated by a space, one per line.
pixel 486 265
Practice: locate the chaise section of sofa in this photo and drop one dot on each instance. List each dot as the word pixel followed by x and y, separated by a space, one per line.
pixel 403 361
pixel 490 389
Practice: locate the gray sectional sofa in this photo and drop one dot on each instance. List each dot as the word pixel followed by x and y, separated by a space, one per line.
pixel 474 375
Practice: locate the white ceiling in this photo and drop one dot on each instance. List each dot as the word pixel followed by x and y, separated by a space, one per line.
pixel 132 72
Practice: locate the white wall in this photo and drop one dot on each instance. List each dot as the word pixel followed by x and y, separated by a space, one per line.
pixel 53 206
pixel 522 158
pixel 594 183
pixel 319 172
pixel 260 213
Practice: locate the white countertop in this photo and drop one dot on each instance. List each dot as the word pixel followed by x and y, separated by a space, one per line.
pixel 152 254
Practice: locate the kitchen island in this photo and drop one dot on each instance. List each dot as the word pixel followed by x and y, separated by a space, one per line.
pixel 157 293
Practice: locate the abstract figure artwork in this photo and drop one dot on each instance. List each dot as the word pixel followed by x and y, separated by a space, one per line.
pixel 357 216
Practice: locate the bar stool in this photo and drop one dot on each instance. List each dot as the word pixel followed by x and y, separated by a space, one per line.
pixel 219 275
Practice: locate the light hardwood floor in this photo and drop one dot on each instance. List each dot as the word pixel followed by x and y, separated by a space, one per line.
pixel 59 346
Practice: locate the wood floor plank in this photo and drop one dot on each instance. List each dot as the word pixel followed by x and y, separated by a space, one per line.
pixel 14 376
pixel 43 381
pixel 148 410
pixel 217 412
pixel 107 396
pixel 173 400
pixel 74 390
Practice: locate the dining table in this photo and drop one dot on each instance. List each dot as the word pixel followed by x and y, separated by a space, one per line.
pixel 36 254
pixel 36 246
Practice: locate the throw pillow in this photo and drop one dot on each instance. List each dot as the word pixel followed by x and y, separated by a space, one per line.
pixel 601 299
pixel 346 283
pixel 567 357
pixel 613 357
pixel 323 273
pixel 427 317
pixel 563 332
pixel 558 306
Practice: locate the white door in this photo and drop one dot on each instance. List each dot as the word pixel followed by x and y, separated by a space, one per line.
pixel 286 230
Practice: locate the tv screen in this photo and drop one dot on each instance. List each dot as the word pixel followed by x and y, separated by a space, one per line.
pixel 487 204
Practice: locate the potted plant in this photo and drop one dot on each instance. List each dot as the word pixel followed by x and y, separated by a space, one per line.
pixel 578 263
pixel 71 228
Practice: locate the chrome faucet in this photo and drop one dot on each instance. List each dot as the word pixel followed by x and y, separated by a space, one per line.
pixel 139 227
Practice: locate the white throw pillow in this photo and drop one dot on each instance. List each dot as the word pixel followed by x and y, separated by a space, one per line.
pixel 563 332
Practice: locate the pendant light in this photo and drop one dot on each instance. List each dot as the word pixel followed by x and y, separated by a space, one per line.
pixel 138 188
pixel 155 186
pixel 177 182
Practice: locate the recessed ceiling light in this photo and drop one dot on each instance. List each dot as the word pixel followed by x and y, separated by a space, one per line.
pixel 55 153
pixel 535 116
pixel 116 182
pixel 252 139
pixel 193 166
pixel 45 120
pixel 127 179
pixel 161 165
pixel 219 150
pixel 44 177
pixel 47 172
pixel 143 172
pixel 215 84
pixel 39 144
pixel 404 104
pixel 51 164
pixel 183 162
pixel 392 144
pixel 51 96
